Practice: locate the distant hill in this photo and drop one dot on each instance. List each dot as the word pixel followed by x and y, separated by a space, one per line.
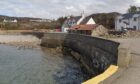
pixel 24 23
pixel 20 19
pixel 105 19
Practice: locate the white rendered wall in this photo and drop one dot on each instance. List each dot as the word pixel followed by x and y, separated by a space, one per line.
pixel 91 21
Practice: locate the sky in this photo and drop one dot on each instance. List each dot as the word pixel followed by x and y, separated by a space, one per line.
pixel 52 9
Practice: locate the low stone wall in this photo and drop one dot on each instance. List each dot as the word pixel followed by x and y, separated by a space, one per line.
pixel 95 54
pixel 53 40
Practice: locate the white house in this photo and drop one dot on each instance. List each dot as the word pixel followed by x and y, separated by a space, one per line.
pixel 10 20
pixel 128 21
pixel 78 20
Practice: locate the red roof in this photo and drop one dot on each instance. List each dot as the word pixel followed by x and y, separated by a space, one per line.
pixel 84 27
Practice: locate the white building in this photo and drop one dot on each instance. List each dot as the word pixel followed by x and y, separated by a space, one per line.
pixel 78 20
pixel 128 21
pixel 10 21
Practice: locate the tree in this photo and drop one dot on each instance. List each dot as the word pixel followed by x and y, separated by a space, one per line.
pixel 132 9
pixel 61 20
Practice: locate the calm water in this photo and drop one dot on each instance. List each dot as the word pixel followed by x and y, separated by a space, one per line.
pixel 37 66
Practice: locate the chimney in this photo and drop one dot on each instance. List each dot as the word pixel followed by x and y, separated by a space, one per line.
pixel 82 18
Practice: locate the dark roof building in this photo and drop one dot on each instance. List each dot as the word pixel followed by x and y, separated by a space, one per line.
pixel 78 20
pixel 129 15
pixel 128 21
pixel 85 20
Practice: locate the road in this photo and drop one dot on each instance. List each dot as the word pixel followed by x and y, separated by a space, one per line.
pixel 132 74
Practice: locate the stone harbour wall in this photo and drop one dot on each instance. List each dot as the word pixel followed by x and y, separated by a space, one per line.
pixel 94 53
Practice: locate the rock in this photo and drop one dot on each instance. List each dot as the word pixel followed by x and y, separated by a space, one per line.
pixel 100 31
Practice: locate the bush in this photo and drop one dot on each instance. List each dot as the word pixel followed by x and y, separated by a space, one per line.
pixel 11 26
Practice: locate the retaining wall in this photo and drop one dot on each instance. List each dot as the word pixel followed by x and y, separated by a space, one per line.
pixel 95 54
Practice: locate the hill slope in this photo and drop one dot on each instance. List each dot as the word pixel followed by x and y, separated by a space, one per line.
pixel 20 19
pixel 105 19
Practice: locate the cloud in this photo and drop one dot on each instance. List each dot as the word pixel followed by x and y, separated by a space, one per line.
pixel 57 8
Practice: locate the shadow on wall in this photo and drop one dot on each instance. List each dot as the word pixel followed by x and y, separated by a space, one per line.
pixel 95 54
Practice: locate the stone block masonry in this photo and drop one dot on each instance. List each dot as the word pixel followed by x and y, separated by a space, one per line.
pixel 95 54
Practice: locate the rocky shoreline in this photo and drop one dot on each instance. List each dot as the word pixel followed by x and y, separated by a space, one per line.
pixel 25 45
pixel 21 41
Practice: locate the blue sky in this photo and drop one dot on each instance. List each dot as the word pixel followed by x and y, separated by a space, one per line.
pixel 56 8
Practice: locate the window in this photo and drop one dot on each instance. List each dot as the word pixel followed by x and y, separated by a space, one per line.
pixel 120 20
pixel 135 19
pixel 122 28
pixel 135 27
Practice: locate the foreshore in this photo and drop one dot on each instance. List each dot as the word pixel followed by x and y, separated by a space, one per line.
pixel 26 41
